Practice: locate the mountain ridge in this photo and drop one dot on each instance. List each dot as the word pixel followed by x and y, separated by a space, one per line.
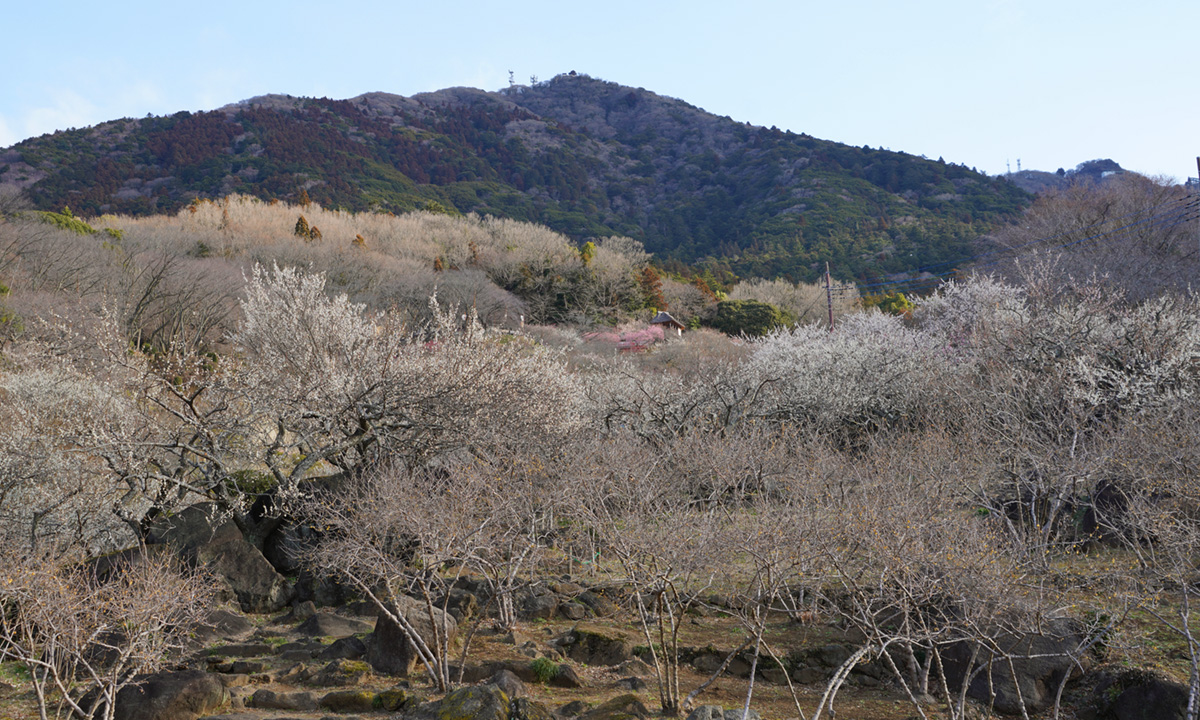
pixel 586 157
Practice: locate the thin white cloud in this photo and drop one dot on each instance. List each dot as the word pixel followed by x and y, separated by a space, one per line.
pixel 70 110
pixel 142 94
pixel 7 136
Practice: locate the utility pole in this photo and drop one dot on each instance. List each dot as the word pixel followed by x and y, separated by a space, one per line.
pixel 829 291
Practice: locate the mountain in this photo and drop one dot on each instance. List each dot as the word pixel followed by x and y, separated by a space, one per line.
pixel 1090 172
pixel 583 156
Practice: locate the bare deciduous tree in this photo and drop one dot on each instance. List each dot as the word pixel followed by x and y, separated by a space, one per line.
pixel 84 633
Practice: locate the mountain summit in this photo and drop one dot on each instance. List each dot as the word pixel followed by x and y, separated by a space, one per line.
pixel 583 156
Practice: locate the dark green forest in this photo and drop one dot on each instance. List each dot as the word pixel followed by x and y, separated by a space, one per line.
pixel 585 157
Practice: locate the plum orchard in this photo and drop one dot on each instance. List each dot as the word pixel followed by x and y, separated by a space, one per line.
pixel 922 479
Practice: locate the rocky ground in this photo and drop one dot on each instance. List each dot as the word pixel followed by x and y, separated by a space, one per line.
pixel 309 663
pixel 303 649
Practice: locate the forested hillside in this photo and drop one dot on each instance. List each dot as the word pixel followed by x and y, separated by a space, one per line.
pixel 585 157
pixel 986 505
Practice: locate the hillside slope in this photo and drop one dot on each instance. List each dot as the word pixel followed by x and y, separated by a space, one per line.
pixel 583 156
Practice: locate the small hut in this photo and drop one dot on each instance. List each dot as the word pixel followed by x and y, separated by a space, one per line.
pixel 668 323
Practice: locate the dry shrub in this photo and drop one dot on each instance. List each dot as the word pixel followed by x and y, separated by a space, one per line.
pixel 808 303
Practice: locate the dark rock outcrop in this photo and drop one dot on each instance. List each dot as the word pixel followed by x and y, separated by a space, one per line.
pixel 594 646
pixel 1128 694
pixel 1040 662
pixel 389 650
pixel 196 534
pixel 184 695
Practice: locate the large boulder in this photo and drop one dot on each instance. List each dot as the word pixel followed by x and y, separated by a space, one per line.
pixel 184 695
pixel 270 700
pixel 479 702
pixel 1040 660
pixel 592 645
pixel 327 624
pixel 222 624
pixel 389 649
pixel 1137 694
pixel 199 535
pixel 348 701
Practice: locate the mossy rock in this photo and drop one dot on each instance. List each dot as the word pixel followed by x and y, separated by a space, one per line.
pixel 348 701
pixel 392 700
pixel 481 702
pixel 594 646
pixel 526 709
pixel 341 673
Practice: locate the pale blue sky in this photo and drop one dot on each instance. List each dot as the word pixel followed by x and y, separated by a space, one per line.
pixel 979 82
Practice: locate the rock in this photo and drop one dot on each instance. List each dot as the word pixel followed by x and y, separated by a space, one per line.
pixel 572 611
pixel 388 648
pixel 271 700
pixel 247 667
pixel 539 607
pixel 526 709
pixel 187 530
pixel 1038 676
pixel 707 663
pixel 394 700
pixel 573 708
pixel 284 547
pixel 716 712
pixel 233 681
pixel 598 604
pixel 243 650
pixel 221 549
pixel 184 695
pixel 239 696
pixel 463 605
pixel 297 654
pixel 832 655
pixel 738 667
pixel 514 637
pixel 631 683
pixel 622 707
pixel 480 702
pixel 806 675
pixel 475 672
pixel 290 674
pixel 303 611
pixel 1127 694
pixel 348 701
pixel 707 712
pixel 327 624
pixel 221 624
pixel 567 678
pixel 507 681
pixel 347 648
pixel 636 666
pixel 322 590
pixel 593 646
pixel 341 673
